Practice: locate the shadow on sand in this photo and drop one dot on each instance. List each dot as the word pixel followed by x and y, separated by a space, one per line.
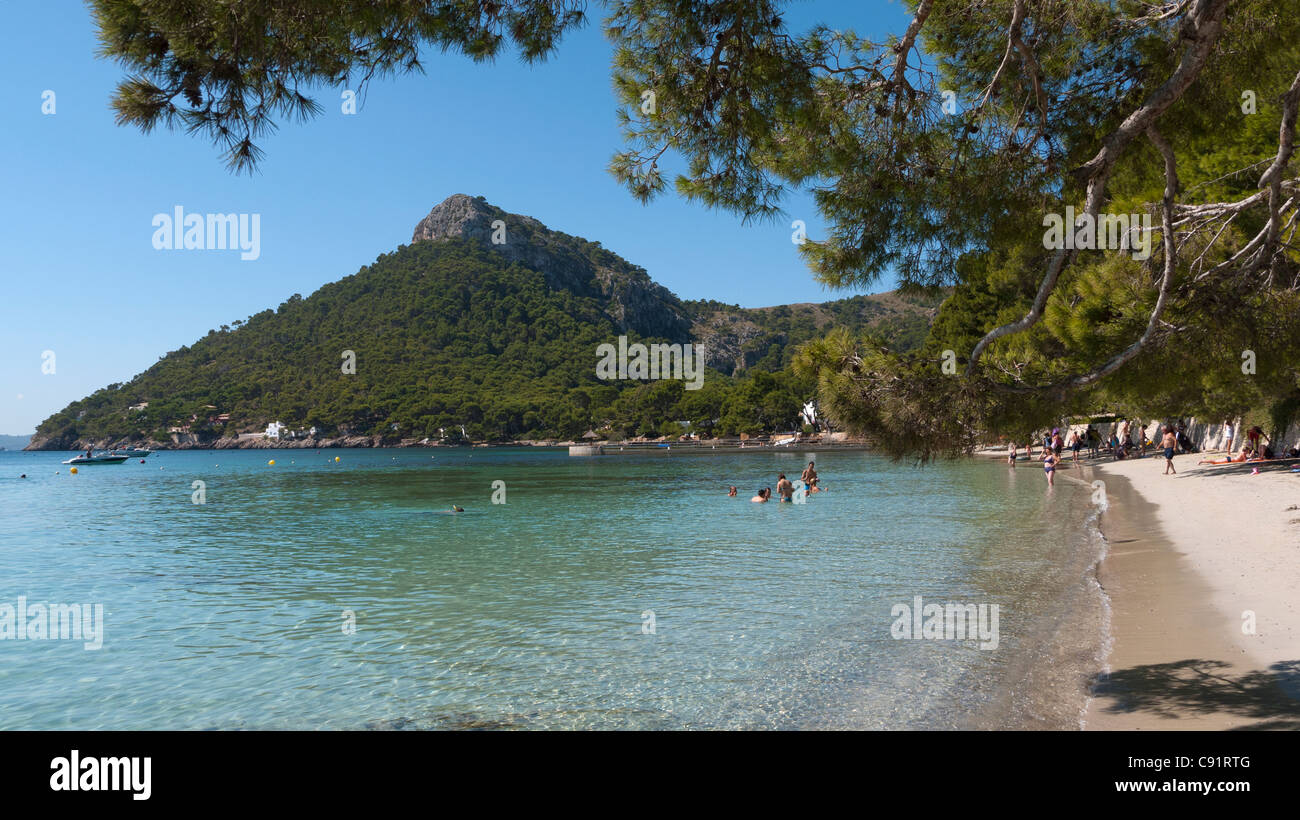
pixel 1201 687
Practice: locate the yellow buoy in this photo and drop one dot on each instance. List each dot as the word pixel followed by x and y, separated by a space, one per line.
pixel 336 458
pixel 271 462
pixel 73 471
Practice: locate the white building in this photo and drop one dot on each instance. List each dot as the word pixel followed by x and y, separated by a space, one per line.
pixel 274 429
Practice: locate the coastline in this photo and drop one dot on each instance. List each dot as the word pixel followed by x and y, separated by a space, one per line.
pixel 1189 557
pixel 381 442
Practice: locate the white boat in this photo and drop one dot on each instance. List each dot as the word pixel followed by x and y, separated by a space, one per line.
pixel 102 459
pixel 131 452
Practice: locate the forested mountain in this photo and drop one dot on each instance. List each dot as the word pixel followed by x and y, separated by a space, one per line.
pixel 487 321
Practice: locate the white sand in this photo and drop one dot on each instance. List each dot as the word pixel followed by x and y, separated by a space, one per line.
pixel 1241 534
pixel 1223 543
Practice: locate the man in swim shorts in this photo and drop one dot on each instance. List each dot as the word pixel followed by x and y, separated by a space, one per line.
pixel 809 475
pixel 1169 442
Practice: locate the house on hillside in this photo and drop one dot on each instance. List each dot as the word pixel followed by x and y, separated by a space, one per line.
pixel 275 429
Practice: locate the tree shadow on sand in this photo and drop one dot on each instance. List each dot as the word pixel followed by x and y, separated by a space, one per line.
pixel 1202 687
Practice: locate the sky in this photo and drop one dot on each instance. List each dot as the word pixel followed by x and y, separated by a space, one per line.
pixel 88 300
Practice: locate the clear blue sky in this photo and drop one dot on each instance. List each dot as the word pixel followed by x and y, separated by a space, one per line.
pixel 81 277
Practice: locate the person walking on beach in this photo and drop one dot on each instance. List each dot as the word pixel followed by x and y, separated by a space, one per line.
pixel 1227 436
pixel 1169 442
pixel 784 488
pixel 1075 444
pixel 1011 454
pixel 1049 467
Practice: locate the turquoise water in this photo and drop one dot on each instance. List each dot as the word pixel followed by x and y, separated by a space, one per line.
pixel 535 613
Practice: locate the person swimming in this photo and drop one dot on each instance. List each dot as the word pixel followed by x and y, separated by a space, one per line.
pixel 762 496
pixel 731 492
pixel 454 508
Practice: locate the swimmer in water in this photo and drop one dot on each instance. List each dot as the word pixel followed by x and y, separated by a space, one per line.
pixel 731 492
pixel 761 497
pixel 784 488
pixel 454 508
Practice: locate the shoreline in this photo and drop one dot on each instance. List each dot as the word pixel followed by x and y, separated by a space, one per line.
pixel 1192 559
pixel 376 442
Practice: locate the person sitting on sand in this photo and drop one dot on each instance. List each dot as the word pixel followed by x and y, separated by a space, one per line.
pixel 761 497
pixel 1244 455
pixel 731 492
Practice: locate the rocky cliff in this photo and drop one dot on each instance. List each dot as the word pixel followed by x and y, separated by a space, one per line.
pixel 633 301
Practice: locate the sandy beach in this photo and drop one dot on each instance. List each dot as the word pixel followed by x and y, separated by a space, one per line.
pixel 1203 575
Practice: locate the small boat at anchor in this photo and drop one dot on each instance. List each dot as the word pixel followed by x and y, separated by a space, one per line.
pixel 131 452
pixel 100 459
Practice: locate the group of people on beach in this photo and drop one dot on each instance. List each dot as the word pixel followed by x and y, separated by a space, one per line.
pixel 1121 445
pixel 1129 439
pixel 785 488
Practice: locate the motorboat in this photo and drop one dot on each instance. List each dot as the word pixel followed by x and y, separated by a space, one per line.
pixel 100 459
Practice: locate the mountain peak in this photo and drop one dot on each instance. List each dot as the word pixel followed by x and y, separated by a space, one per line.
pixel 461 216
pixel 633 300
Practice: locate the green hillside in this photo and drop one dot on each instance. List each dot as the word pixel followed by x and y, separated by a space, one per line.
pixel 453 331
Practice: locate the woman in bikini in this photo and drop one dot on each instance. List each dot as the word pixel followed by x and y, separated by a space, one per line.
pixel 1049 467
pixel 1244 455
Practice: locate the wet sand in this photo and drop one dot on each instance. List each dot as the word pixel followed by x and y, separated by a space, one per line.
pixel 1191 558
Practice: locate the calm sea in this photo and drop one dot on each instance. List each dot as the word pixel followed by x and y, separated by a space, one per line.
pixel 615 592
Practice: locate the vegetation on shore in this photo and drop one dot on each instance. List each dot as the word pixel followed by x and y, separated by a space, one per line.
pixel 449 334
pixel 937 154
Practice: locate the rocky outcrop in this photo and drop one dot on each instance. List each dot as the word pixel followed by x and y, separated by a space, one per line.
pixel 633 301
